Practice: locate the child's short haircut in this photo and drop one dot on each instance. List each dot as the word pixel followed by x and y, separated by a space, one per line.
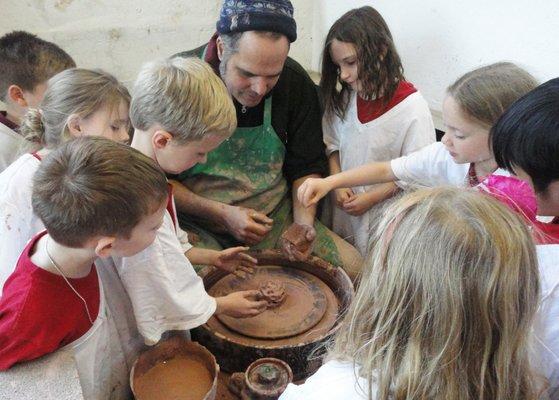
pixel 184 97
pixel 527 136
pixel 485 93
pixel 94 186
pixel 27 61
pixel 73 91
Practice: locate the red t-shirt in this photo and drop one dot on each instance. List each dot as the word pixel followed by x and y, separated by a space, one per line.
pixel 368 110
pixel 39 312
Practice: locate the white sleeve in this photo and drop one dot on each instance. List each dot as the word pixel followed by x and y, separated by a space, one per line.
pixel 17 227
pixel 431 166
pixel 330 134
pixel 165 291
pixel 183 239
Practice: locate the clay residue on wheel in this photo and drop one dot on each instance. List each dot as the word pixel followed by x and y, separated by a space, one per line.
pixel 273 292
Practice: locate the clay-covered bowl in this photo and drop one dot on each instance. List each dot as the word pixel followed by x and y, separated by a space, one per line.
pixel 173 348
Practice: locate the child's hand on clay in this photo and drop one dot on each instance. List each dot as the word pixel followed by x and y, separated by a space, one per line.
pixel 242 304
pixel 342 195
pixel 234 260
pixel 360 203
pixel 312 190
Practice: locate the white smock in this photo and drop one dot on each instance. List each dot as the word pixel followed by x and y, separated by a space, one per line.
pixel 333 380
pixel 433 166
pixel 403 129
pixel 165 291
pixel 11 146
pixel 547 325
pixel 94 367
pixel 18 223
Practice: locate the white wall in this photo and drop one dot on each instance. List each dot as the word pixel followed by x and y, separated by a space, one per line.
pixel 120 35
pixel 439 40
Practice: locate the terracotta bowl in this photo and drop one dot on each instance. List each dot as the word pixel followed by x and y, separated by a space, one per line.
pixel 171 348
pixel 235 352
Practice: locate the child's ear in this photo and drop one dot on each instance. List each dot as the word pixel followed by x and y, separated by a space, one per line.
pixel 161 138
pixel 15 94
pixel 104 246
pixel 219 44
pixel 74 125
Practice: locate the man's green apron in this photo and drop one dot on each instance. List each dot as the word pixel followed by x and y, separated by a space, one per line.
pixel 246 171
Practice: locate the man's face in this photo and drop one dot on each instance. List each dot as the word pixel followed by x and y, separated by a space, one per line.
pixel 548 201
pixel 254 70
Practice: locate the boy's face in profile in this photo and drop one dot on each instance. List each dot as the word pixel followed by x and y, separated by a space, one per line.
pixel 548 201
pixel 176 158
pixel 141 236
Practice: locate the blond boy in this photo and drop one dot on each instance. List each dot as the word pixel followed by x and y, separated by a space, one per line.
pixel 180 111
pixel 26 64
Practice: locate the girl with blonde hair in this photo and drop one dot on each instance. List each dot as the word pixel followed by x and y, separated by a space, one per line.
pixel 463 158
pixel 444 308
pixel 77 102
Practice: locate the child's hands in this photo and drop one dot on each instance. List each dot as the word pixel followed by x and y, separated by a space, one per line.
pixel 360 203
pixel 312 190
pixel 235 261
pixel 342 195
pixel 241 304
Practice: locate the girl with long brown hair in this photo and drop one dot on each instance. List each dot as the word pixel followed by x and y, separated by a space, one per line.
pixel 444 309
pixel 372 113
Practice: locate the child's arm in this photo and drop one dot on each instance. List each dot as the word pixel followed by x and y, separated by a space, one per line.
pixel 344 194
pixel 233 260
pixel 360 203
pixel 241 304
pixel 313 189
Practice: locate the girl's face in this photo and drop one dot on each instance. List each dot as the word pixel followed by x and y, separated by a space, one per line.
pixel 344 55
pixel 112 124
pixel 465 140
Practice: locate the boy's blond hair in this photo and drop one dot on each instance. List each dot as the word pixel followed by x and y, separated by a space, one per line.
pixel 74 91
pixel 446 302
pixel 93 186
pixel 184 97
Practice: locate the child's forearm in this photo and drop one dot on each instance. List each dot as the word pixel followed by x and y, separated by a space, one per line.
pixel 197 255
pixel 334 163
pixel 368 174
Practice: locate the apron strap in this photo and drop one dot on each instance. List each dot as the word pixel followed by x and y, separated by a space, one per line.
pixel 268 112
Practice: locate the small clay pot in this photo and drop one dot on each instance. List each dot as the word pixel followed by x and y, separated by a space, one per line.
pixel 172 348
pixel 264 379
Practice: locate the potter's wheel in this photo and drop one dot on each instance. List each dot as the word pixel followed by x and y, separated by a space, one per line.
pixel 304 306
pixel 326 291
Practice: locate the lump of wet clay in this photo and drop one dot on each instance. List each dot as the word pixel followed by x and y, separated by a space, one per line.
pixel 273 292
pixel 296 235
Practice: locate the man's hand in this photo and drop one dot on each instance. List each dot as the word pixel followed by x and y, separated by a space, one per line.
pixel 247 225
pixel 342 195
pixel 301 249
pixel 234 260
pixel 241 304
